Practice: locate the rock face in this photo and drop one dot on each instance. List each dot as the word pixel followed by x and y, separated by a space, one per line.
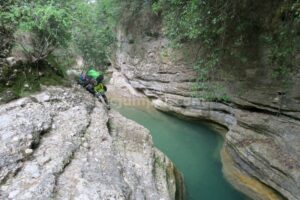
pixel 62 144
pixel 264 127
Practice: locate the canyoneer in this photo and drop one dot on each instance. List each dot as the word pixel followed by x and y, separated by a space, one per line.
pixel 92 80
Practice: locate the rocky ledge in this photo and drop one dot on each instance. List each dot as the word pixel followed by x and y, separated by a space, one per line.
pixel 262 145
pixel 62 144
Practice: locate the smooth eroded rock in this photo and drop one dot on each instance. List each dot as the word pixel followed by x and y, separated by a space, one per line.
pixel 63 144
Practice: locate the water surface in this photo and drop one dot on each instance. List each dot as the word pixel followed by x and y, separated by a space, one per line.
pixel 193 147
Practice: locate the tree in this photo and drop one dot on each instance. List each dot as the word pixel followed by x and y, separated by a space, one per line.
pixel 43 26
pixel 92 31
pixel 7 27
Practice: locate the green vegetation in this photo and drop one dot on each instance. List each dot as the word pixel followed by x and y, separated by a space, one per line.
pixel 45 26
pixel 24 80
pixel 42 28
pixel 49 34
pixel 229 33
pixel 35 29
pixel 159 163
pixel 233 31
pixel 7 27
pixel 92 32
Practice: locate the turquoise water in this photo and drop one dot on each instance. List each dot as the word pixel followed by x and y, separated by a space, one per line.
pixel 195 150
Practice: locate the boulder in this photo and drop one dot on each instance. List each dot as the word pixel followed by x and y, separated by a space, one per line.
pixel 11 61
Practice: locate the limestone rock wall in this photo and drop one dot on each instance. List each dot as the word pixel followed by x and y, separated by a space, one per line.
pixel 263 142
pixel 62 144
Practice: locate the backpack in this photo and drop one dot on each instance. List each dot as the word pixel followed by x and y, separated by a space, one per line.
pixel 83 80
pixel 94 76
pixel 100 88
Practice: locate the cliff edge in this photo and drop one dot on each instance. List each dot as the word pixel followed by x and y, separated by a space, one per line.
pixel 63 144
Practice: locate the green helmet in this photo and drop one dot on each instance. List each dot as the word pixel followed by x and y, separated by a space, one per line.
pixel 93 73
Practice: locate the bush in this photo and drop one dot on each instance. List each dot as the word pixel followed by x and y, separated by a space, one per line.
pixel 7 27
pixel 92 33
pixel 234 31
pixel 95 28
pixel 42 28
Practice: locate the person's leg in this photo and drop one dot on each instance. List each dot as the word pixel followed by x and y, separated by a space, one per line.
pixel 105 98
pixel 106 101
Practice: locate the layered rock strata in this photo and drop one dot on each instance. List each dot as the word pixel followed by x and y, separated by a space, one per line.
pixel 263 138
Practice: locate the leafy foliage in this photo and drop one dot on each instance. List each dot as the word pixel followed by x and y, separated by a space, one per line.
pixel 7 27
pixel 283 37
pixel 43 27
pixel 92 31
pixel 230 30
pixel 40 28
pixel 226 29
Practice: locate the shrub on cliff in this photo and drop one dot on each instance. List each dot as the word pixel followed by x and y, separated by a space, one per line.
pixel 35 29
pixel 226 28
pixel 42 28
pixel 235 33
pixel 95 26
pixel 92 32
pixel 7 27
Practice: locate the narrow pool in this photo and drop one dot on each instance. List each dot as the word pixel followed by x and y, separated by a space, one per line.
pixel 193 147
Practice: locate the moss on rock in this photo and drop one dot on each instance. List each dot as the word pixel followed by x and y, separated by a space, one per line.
pixel 25 79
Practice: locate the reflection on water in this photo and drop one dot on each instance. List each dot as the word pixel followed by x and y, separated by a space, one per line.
pixel 193 147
